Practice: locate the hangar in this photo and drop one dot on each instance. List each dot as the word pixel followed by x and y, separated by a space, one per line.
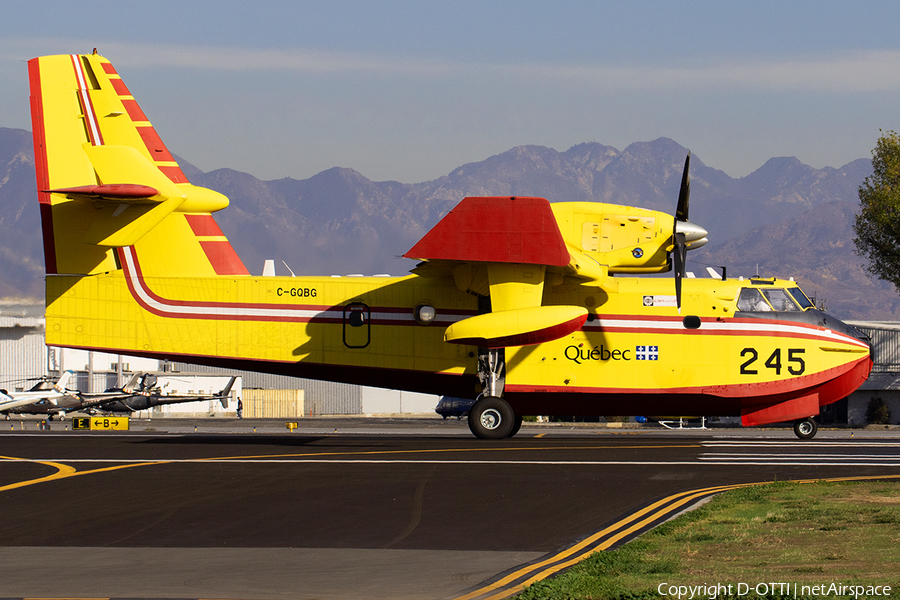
pixel 883 384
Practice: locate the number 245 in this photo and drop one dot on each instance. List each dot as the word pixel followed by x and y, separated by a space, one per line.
pixel 795 366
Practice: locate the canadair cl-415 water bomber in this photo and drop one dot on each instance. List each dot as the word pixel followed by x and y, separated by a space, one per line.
pixel 533 308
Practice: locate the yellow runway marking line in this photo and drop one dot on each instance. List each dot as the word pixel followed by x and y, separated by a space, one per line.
pixel 367 453
pixel 421 451
pixel 665 504
pixel 449 450
pixel 612 540
pixel 64 471
pixel 662 506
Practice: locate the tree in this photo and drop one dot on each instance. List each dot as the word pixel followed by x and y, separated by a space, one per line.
pixel 877 225
pixel 878 412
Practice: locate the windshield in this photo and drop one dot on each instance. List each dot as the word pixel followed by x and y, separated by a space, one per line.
pixel 800 297
pixel 766 300
pixel 779 299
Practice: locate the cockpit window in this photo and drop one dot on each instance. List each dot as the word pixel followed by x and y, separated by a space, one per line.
pixel 751 300
pixel 800 297
pixel 768 299
pixel 779 299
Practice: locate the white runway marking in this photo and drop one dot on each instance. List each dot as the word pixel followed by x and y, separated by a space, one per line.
pixel 807 453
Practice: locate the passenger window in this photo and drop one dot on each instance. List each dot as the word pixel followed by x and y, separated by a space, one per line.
pixel 780 300
pixel 751 300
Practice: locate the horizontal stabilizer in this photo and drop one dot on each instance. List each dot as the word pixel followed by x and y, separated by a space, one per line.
pixel 519 327
pixel 133 196
pixel 113 191
pixel 126 165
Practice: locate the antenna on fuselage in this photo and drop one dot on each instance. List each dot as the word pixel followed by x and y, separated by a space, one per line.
pixel 715 275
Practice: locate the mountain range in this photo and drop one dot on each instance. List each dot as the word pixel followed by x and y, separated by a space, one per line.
pixel 784 219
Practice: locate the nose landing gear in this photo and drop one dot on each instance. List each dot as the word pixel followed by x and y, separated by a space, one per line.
pixel 805 429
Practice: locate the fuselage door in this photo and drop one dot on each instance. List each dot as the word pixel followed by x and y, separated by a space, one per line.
pixel 357 328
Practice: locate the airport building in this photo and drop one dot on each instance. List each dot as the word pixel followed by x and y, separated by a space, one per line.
pixel 883 385
pixel 23 354
pixel 24 358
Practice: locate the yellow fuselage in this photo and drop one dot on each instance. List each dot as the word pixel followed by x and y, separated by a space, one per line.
pixel 635 342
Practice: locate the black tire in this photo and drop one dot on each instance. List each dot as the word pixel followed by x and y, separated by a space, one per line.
pixel 517 425
pixel 805 429
pixel 491 418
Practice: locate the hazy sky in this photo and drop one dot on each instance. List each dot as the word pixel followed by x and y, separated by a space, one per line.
pixel 411 90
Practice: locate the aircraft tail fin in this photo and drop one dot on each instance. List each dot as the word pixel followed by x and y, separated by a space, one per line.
pixel 132 383
pixel 60 385
pixel 226 392
pixel 227 389
pixel 106 181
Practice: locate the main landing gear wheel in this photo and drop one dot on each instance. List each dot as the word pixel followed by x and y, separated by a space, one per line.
pixel 805 429
pixel 491 418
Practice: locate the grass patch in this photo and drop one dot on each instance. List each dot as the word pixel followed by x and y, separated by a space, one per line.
pixel 808 534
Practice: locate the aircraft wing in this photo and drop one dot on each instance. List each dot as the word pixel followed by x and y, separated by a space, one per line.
pixel 502 247
pixel 510 248
pixel 498 230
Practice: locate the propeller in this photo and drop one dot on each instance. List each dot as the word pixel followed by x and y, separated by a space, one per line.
pixel 684 195
pixel 684 233
pixel 680 255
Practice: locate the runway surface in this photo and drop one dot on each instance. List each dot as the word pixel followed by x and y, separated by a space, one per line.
pixel 361 508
